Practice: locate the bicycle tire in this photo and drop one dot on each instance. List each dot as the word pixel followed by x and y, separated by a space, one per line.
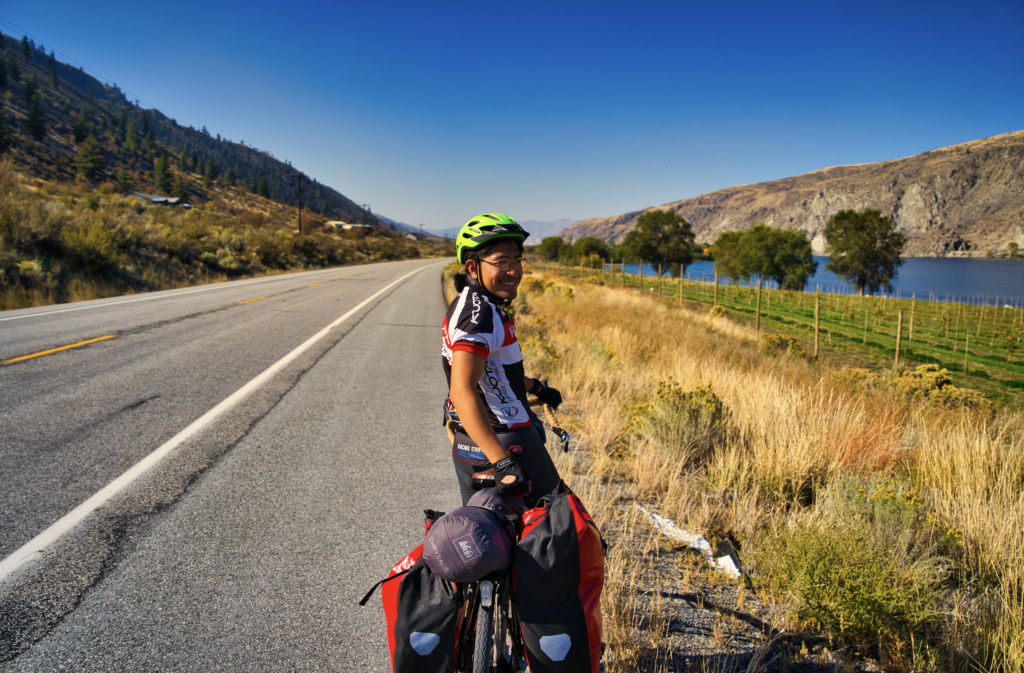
pixel 483 648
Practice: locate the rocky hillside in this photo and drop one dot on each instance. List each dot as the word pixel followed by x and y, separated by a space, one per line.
pixel 959 200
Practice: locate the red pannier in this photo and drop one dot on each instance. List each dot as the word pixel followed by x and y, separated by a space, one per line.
pixel 557 575
pixel 422 614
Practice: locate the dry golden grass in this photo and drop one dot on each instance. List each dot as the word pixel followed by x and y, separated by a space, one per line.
pixel 791 435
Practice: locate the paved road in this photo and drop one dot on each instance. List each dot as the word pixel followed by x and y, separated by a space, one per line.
pixel 248 546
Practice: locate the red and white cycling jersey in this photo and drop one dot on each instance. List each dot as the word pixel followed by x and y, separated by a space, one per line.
pixel 476 324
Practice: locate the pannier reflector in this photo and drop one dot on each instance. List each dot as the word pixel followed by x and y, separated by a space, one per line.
pixel 556 647
pixel 424 643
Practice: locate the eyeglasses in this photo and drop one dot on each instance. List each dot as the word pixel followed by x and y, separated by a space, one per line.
pixel 505 263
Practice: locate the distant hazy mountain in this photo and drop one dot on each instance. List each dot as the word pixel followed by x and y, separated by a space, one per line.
pixel 538 230
pixel 402 226
pixel 541 230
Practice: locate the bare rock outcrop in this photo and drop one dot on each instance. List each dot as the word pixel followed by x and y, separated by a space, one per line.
pixel 958 200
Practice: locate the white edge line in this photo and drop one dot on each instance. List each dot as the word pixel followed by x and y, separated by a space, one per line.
pixel 165 294
pixel 37 545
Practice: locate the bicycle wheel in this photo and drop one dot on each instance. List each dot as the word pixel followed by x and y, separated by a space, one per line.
pixel 483 648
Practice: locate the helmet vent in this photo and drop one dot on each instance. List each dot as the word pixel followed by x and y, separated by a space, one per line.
pixel 496 219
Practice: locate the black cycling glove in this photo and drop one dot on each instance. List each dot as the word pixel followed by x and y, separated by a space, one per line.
pixel 507 467
pixel 547 395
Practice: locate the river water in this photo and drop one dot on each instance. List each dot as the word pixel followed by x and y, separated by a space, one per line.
pixel 958 279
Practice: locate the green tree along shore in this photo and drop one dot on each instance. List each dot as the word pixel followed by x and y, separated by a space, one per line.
pixel 782 255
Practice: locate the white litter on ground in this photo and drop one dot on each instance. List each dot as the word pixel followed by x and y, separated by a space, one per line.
pixel 669 529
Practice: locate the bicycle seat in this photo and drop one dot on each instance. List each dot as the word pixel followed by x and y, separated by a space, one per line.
pixel 486 475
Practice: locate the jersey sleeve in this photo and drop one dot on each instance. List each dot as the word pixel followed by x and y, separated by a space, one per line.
pixel 473 326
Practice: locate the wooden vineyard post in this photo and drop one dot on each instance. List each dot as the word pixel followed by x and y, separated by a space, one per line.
pixel 680 285
pixel 899 336
pixel 967 345
pixel 817 299
pixel 641 275
pixel 757 320
pixel 623 273
pixel 659 280
pixel 910 336
pixel 716 287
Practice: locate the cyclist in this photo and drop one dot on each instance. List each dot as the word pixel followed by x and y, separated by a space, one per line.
pixel 487 384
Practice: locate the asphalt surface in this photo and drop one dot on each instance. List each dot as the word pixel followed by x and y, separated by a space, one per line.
pixel 248 547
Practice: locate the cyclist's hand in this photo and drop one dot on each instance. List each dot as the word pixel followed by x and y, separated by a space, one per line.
pixel 548 395
pixel 511 478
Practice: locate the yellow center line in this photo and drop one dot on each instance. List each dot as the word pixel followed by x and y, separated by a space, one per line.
pixel 315 284
pixel 249 301
pixel 57 350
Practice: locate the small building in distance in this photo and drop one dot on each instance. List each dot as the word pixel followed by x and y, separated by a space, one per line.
pixel 161 200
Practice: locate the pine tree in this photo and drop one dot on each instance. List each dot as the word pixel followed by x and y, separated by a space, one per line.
pixel 13 69
pixel 52 65
pixel 26 48
pixel 161 175
pixel 5 138
pixel 179 191
pixel 28 86
pixel 123 183
pixel 82 128
pixel 230 177
pixel 131 138
pixel 90 161
pixel 262 189
pixel 35 122
pixel 3 73
pixel 208 175
pixel 148 143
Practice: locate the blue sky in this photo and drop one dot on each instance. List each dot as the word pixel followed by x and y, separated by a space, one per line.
pixel 434 112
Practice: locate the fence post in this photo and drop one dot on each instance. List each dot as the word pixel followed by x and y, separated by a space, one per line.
pixel 623 273
pixel 913 301
pixel 641 275
pixel 817 300
pixel 899 336
pixel 757 321
pixel 680 285
pixel 967 345
pixel 716 287
pixel 659 280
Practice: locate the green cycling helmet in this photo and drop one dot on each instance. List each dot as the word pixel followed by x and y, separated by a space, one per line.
pixel 485 229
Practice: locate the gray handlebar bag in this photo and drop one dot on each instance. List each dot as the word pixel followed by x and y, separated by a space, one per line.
pixel 467 544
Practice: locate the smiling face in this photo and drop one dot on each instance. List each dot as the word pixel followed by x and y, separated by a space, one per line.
pixel 500 283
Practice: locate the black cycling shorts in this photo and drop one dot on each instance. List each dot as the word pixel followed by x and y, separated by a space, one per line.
pixel 531 455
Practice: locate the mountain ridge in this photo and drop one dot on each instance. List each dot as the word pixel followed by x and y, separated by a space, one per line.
pixel 951 201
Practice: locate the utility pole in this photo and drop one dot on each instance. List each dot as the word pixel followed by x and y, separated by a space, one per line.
pixel 299 176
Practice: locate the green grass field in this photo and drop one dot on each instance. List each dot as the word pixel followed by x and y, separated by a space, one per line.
pixel 979 345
